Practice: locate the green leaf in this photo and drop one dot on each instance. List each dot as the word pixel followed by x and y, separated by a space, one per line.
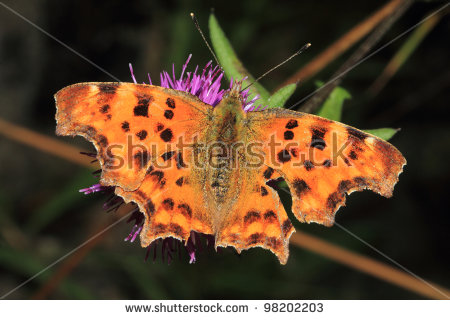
pixel 229 61
pixel 279 98
pixel 383 133
pixel 332 107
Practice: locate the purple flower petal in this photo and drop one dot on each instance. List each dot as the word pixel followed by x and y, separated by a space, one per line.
pixel 132 74
pixel 94 188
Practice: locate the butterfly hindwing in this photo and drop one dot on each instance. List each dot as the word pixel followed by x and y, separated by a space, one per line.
pixel 171 201
pixel 257 218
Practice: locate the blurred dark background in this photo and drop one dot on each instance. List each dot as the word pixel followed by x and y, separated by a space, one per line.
pixel 42 215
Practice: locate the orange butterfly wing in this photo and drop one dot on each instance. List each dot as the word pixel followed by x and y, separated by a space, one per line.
pixel 257 218
pixel 135 129
pixel 323 160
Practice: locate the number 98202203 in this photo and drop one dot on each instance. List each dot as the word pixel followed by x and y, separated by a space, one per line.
pixel 293 307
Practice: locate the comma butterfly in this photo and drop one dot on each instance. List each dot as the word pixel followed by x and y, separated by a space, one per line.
pixel 192 166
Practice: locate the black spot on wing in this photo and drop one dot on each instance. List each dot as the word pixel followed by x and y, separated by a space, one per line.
pixel 159 228
pixel 149 207
pixel 353 155
pixel 159 127
pixel 176 229
pixel 251 217
pixel 360 181
pixel 283 156
pixel 168 204
pixel 300 187
pixel 158 175
pixel 347 162
pixel 292 124
pixel 334 199
pixel 125 126
pixel 294 152
pixel 345 185
pixel 166 135
pixel 317 141
pixel 286 227
pixel 308 165
pixel 179 160
pixel 255 238
pixel 105 108
pixel 288 135
pixel 142 134
pixel 264 191
pixel 141 196
pixel 170 103
pixel 168 155
pixel 273 242
pixel 108 88
pixel 168 114
pixel 268 173
pixel 141 109
pixel 326 163
pixel 179 181
pixel 352 132
pixel 271 216
pixel 141 159
pixel 102 141
pixel 185 210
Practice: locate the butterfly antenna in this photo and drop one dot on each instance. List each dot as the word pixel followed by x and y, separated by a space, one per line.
pixel 194 19
pixel 306 46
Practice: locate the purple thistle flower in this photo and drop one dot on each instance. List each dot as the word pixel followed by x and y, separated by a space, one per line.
pixel 206 85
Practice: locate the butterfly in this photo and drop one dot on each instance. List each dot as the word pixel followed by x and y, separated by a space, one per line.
pixel 190 166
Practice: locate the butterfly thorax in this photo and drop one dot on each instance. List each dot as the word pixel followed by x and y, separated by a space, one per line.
pixel 228 115
pixel 227 119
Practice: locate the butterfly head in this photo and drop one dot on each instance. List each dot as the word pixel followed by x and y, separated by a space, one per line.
pixel 235 91
pixel 232 97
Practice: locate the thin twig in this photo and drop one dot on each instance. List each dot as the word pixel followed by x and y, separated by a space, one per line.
pixel 44 143
pixel 366 265
pixel 403 54
pixel 342 44
pixel 314 103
